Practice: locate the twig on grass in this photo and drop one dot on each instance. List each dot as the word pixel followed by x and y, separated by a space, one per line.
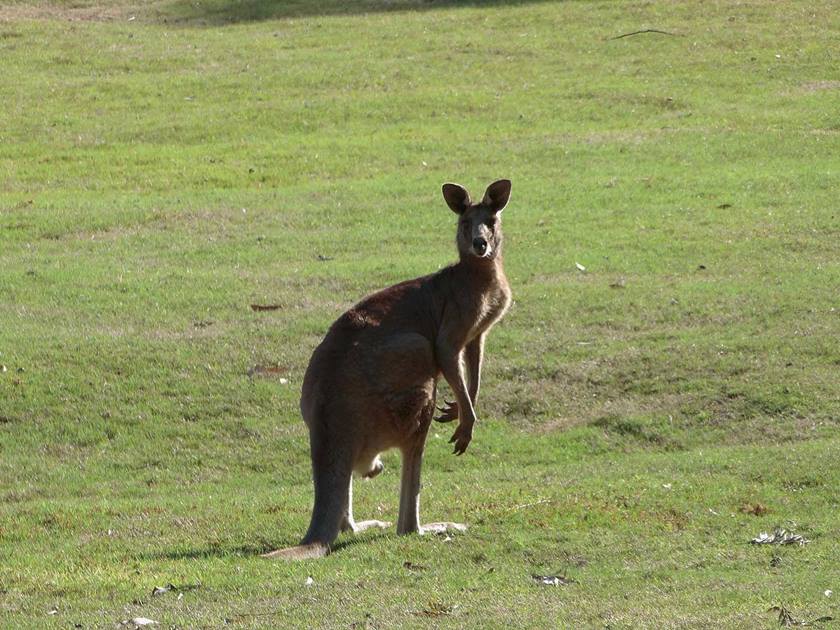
pixel 645 30
pixel 786 618
pixel 526 505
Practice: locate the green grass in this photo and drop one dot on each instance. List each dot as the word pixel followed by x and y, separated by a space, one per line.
pixel 163 165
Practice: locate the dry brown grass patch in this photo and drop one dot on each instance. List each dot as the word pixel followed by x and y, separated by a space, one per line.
pixel 64 13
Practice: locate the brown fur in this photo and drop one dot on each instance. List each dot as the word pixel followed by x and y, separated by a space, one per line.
pixel 371 383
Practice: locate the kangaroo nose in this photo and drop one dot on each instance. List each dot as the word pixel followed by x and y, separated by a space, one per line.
pixel 479 245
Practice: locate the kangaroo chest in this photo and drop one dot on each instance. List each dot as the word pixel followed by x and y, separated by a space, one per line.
pixel 489 308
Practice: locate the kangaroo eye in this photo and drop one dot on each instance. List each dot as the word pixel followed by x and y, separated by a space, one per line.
pixel 491 223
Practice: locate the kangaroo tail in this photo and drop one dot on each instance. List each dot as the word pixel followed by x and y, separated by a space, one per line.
pixel 331 478
pixel 331 471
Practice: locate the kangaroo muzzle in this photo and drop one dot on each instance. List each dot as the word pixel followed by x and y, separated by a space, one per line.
pixel 480 246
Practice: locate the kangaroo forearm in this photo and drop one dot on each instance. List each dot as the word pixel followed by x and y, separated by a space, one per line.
pixel 473 380
pixel 465 406
pixel 473 354
pixel 451 370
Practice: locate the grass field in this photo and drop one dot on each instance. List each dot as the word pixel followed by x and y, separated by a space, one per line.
pixel 166 164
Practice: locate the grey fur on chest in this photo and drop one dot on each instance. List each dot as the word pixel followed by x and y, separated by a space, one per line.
pixel 490 309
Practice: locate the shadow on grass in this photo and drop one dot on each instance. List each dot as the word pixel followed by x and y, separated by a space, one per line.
pixel 221 12
pixel 255 550
pixel 209 551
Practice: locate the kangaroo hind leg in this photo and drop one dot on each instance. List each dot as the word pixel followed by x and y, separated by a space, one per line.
pixel 367 468
pixel 409 520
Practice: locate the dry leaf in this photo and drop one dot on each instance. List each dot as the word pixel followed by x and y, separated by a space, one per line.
pixel 413 567
pixel 580 267
pixel 267 370
pixel 786 618
pixel 436 609
pixel 756 509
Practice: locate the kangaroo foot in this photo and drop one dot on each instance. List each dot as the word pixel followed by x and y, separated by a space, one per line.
pixel 442 528
pixel 348 525
pixel 360 526
pixel 298 552
pixel 376 468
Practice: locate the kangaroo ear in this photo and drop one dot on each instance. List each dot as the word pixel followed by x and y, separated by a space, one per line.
pixel 456 197
pixel 497 195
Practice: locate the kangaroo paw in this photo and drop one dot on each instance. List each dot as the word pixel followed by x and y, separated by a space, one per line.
pixel 461 438
pixel 448 413
pixel 376 469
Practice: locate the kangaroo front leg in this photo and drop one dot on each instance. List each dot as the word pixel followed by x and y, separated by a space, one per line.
pixel 450 366
pixel 474 354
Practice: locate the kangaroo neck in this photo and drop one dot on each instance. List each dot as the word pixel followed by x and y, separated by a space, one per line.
pixel 489 271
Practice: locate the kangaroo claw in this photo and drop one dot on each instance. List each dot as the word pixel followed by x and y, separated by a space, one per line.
pixel 448 413
pixel 461 438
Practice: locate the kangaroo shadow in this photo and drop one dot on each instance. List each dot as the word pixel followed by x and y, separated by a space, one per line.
pixel 222 12
pixel 256 549
pixel 208 551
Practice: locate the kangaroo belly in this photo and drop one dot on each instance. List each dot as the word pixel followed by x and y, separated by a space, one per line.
pixel 377 387
pixel 400 370
pixel 411 408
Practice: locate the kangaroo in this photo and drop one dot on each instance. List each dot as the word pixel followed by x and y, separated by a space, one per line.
pixel 371 383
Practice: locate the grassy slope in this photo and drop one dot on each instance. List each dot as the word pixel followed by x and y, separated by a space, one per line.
pixel 162 173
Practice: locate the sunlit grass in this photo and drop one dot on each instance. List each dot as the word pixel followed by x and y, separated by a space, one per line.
pixel 165 165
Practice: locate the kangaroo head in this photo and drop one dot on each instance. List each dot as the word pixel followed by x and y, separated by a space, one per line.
pixel 479 225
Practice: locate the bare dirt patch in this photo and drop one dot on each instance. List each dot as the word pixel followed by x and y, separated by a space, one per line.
pixel 819 86
pixel 64 13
